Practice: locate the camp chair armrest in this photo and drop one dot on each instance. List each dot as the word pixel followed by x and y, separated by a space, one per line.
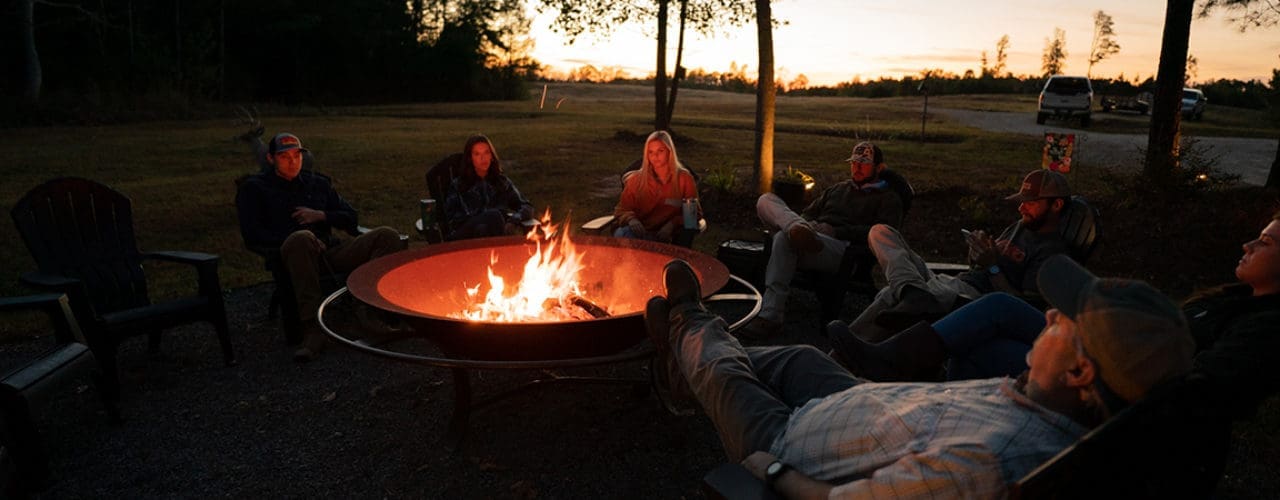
pixel 180 257
pixel 597 223
pixel 37 301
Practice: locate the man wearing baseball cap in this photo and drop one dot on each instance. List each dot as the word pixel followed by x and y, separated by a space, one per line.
pixel 1007 263
pixel 293 211
pixel 816 238
pixel 795 419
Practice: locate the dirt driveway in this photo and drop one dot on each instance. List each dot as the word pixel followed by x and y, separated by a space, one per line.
pixel 1250 158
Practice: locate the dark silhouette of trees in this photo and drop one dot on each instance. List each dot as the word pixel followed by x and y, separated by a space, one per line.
pixel 1166 116
pixel 324 51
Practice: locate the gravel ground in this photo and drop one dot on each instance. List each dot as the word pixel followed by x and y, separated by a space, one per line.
pixel 352 425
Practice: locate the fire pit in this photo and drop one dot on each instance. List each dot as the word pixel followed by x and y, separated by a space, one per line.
pixel 425 287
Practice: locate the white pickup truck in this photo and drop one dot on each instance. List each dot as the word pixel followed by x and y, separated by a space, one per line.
pixel 1066 97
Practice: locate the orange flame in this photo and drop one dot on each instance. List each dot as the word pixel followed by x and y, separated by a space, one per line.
pixel 548 289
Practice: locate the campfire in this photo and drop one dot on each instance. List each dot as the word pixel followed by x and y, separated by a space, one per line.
pixel 547 289
pixel 430 288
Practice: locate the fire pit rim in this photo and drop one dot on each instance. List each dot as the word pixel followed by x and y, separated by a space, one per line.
pixel 363 282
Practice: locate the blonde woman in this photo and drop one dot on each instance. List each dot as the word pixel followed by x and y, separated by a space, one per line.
pixel 650 207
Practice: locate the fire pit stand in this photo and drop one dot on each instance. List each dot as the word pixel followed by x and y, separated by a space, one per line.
pixel 461 367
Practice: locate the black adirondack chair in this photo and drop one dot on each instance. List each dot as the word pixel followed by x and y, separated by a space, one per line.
pixel 26 388
pixel 81 235
pixel 438 179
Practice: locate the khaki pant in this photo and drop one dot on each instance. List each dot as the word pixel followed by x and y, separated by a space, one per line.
pixel 305 261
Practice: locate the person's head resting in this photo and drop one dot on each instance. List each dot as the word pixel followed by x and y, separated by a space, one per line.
pixel 1260 266
pixel 660 159
pixel 1043 195
pixel 1106 342
pixel 865 163
pixel 285 154
pixel 480 157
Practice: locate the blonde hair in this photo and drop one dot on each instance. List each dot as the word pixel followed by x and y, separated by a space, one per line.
pixel 646 169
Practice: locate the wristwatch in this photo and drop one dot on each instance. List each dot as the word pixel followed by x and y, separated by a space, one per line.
pixel 775 471
pixel 994 269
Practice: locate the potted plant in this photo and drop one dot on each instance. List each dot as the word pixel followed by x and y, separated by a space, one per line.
pixel 793 186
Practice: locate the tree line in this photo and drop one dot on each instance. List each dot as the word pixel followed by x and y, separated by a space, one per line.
pixel 330 51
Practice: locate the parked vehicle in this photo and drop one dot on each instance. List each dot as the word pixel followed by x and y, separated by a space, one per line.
pixel 1140 103
pixel 1193 102
pixel 1066 97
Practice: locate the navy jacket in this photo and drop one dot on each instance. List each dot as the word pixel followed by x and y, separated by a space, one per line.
pixel 266 202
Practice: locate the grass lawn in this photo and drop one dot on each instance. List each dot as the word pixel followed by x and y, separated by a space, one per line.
pixel 180 177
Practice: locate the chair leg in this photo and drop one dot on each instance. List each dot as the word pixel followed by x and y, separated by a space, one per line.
pixel 219 320
pixel 273 309
pixel 153 343
pixel 18 434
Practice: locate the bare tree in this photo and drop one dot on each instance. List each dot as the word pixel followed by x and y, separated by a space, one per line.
pixel 1104 40
pixel 601 17
pixel 1002 56
pixel 1193 69
pixel 766 93
pixel 1246 14
pixel 1055 52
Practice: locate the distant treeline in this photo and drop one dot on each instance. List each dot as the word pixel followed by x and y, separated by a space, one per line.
pixel 1251 94
pixel 287 51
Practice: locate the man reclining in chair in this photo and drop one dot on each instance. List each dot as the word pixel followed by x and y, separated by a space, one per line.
pixel 799 421
pixel 1007 263
pixel 818 237
pixel 293 210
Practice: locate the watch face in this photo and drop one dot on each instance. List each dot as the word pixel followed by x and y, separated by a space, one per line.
pixel 774 468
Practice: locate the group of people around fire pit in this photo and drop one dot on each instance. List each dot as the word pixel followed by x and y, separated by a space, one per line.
pixel 292 208
pixel 1024 384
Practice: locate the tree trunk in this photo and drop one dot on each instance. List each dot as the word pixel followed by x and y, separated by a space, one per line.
pixel 32 73
pixel 660 119
pixel 679 72
pixel 1273 177
pixel 1166 110
pixel 765 93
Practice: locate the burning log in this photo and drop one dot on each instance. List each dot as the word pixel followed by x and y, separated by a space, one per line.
pixel 590 307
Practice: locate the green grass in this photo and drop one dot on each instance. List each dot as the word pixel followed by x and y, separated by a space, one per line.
pixel 180 174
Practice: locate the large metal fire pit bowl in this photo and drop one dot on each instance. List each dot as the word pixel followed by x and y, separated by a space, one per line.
pixel 426 285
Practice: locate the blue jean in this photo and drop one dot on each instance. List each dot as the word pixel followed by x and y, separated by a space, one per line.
pixel 989 337
pixel 749 393
pixel 487 223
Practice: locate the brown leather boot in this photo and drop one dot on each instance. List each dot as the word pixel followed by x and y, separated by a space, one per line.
pixel 668 381
pixel 803 238
pixel 914 354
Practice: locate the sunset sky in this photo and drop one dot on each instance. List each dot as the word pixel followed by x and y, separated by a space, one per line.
pixel 832 41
